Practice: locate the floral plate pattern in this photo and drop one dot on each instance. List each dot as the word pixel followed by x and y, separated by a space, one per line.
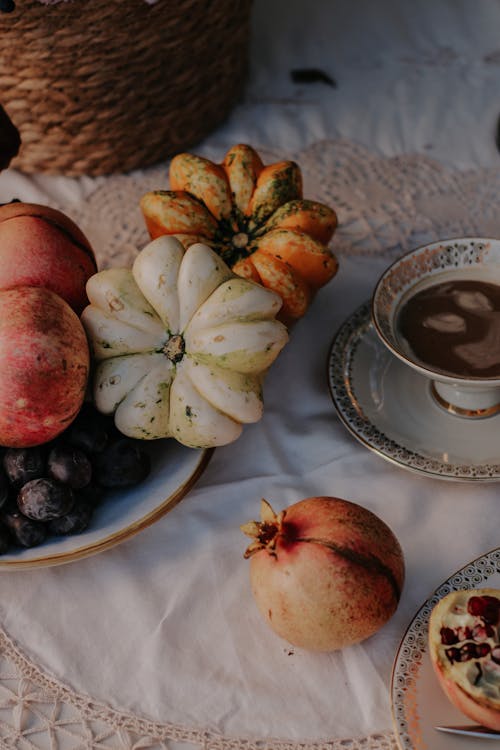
pixel 418 703
pixel 389 408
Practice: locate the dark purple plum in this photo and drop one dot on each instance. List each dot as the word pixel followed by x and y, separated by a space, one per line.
pixel 45 499
pixel 23 464
pixel 73 522
pixel 70 466
pixel 122 464
pixel 92 494
pixel 91 431
pixel 26 532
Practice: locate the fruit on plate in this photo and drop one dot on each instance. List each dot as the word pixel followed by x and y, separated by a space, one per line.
pixel 464 647
pixel 44 365
pixel 181 344
pixel 325 572
pixel 254 217
pixel 40 246
pixel 55 488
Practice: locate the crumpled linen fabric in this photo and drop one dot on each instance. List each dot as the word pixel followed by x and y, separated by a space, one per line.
pixel 164 626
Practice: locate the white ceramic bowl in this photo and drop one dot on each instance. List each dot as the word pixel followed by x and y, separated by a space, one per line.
pixel 467 258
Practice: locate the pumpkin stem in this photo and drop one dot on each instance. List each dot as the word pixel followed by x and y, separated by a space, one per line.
pixel 240 240
pixel 174 348
pixel 233 237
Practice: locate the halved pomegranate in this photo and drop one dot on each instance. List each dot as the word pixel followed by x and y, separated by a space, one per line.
pixel 464 646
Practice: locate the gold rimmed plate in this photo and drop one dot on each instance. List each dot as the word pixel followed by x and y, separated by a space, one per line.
pixel 418 703
pixel 123 513
pixel 389 408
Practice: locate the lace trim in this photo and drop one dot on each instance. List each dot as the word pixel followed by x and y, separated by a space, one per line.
pixel 37 711
pixel 385 206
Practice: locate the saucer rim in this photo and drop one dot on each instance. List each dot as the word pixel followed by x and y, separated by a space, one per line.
pixel 353 329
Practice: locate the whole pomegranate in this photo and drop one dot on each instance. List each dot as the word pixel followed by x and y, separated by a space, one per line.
pixel 464 647
pixel 40 246
pixel 44 366
pixel 325 572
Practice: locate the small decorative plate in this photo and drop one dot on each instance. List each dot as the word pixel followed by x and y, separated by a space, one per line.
pixel 123 513
pixel 389 408
pixel 418 703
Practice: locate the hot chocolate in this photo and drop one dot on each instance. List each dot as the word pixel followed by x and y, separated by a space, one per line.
pixel 454 327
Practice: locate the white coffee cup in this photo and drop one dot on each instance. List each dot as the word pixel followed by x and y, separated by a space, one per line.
pixel 469 258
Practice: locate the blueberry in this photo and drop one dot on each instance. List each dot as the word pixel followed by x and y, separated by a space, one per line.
pixel 23 464
pixel 122 464
pixel 44 499
pixel 69 466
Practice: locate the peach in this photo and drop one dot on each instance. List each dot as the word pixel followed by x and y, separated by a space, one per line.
pixel 44 366
pixel 40 246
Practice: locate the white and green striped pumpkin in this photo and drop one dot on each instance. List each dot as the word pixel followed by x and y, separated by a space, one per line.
pixel 181 344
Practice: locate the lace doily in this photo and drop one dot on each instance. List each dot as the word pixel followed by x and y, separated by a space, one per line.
pixel 385 206
pixel 37 711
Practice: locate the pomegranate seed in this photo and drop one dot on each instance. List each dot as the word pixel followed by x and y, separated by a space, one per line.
pixel 475 605
pixel 486 607
pixel 482 649
pixel 448 636
pixel 491 612
pixel 467 651
pixel 453 654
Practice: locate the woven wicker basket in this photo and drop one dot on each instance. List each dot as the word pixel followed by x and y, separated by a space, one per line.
pixel 101 86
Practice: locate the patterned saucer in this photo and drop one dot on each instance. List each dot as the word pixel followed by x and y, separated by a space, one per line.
pixel 389 408
pixel 418 702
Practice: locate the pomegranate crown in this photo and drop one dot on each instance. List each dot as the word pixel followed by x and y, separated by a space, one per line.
pixel 264 532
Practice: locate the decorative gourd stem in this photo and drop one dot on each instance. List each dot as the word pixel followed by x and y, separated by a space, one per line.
pixel 240 240
pixel 174 348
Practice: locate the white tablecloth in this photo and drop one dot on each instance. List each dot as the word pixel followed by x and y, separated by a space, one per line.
pixel 164 625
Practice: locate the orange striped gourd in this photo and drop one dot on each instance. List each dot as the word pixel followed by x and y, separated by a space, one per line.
pixel 254 216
